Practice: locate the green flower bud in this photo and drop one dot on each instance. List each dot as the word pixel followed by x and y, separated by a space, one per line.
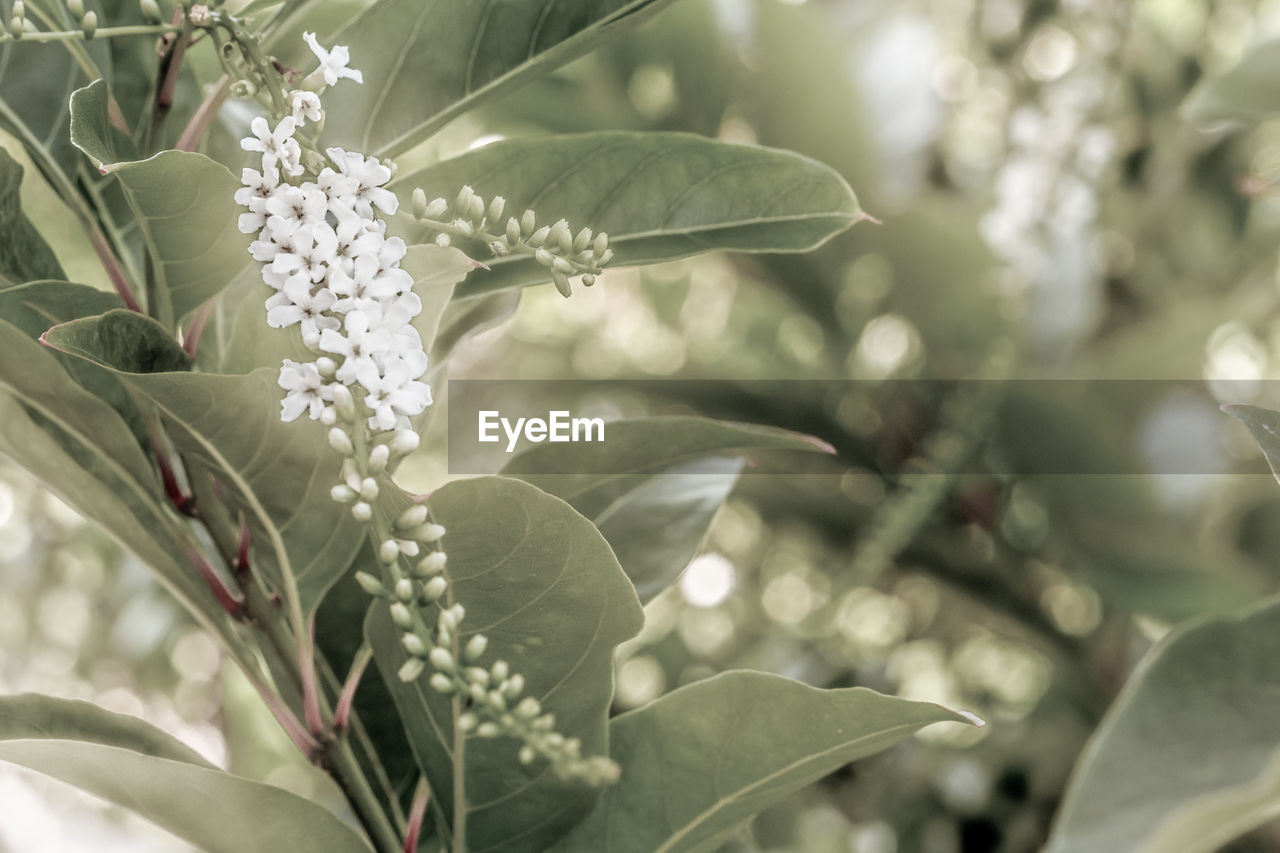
pixel 496 207
pixel 528 708
pixel 488 729
pixel 342 494
pixel 468 721
pixel 341 442
pixel 496 700
pixel 16 27
pixel 528 222
pixel 150 11
pixel 562 236
pixel 580 242
pixel 475 648
pixel 514 686
pixel 419 203
pixel 448 620
pixel 389 551
pixel 76 8
pixel 513 231
pixel 412 517
pixel 402 616
pixel 563 265
pixel 476 209
pixel 378 459
pixel 527 755
pixel 362 511
pixel 588 280
pixel 442 660
pixel 464 227
pixel 604 257
pixel 441 683
pixel 89 23
pixel 499 670
pixel 601 243
pixel 545 723
pixel 463 202
pixel 477 676
pixel 477 693
pixel 326 366
pixel 404 590
pixel 544 257
pixel 430 533
pixel 19 10
pixel 435 209
pixel 414 645
pixel 554 740
pixel 369 489
pixel 433 563
pixel 372 585
pixel 404 443
pixel 443 241
pixel 344 403
pixel 435 588
pixel 411 669
pixel 561 281
pixel 537 238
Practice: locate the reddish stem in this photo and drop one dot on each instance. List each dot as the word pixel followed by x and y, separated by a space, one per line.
pixel 417 812
pixel 242 550
pixel 111 264
pixel 189 139
pixel 310 693
pixel 231 602
pixel 196 329
pixel 342 712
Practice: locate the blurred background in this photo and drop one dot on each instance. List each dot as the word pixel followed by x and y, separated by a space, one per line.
pixel 1009 547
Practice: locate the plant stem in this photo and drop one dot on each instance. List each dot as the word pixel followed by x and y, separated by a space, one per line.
pixel 459 751
pixel 189 139
pixel 105 32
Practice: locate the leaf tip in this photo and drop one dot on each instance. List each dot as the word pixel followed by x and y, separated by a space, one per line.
pixel 974 719
pixel 863 216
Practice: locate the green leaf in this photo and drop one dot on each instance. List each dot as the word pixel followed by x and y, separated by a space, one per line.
pixel 91 129
pixel 279 474
pixel 539 581
pixel 1249 92
pixel 185 208
pixel 24 255
pixel 657 195
pixel 426 62
pixel 1143 784
pixel 653 486
pixel 137 766
pixel 702 760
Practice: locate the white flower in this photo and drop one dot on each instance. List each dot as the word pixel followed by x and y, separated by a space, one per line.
pixel 296 207
pixel 370 175
pixel 306 390
pixel 358 346
pixel 277 146
pixel 392 393
pixel 333 63
pixel 313 252
pixel 305 106
pixel 301 305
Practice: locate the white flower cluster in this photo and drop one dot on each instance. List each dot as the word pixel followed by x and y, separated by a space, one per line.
pixel 334 271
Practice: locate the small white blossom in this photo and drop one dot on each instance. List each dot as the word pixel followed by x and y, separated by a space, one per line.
pixel 305 106
pixel 333 63
pixel 306 390
pixel 278 147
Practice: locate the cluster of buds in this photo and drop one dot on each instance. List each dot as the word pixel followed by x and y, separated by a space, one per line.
pixel 20 26
pixel 555 247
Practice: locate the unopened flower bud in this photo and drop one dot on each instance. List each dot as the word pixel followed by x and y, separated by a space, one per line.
pixel 468 721
pixel 342 494
pixel 580 242
pixel 89 23
pixel 499 670
pixel 514 686
pixel 513 231
pixel 433 563
pixel 404 590
pixel 326 366
pixel 411 669
pixel 328 416
pixel 419 203
pixel 588 280
pixel 476 209
pixel 604 257
pixel 435 588
pixel 341 442
pixel 448 621
pixel 443 240
pixel 405 442
pixel 344 403
pixel 378 459
pixel 430 533
pixel 372 585
pixel 150 11
pixel 528 708
pixel 362 511
pixel 19 10
pixel 496 207
pixel 563 265
pixel 528 221
pixel 442 660
pixel 477 675
pixel 402 616
pixel 389 551
pixel 544 257
pixel 475 648
pixel 463 202
pixel 441 683
pixel 16 26
pixel 369 489
pixel 408 547
pixel 433 210
pixel 412 517
pixel 561 281
pixel 76 8
pixel 487 729
pixel 562 236
pixel 537 238
pixel 496 700
pixel 601 243
pixel 526 755
pixel 414 645
pixel 465 228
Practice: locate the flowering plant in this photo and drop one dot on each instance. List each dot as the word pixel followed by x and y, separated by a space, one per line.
pixel 171 414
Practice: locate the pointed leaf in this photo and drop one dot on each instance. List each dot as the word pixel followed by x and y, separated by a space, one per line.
pixel 91 129
pixel 24 254
pixel 1187 757
pixel 704 759
pixel 657 195
pixel 538 581
pixel 426 62
pixel 135 765
pixel 653 486
pixel 279 473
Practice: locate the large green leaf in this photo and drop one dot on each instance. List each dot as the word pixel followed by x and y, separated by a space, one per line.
pixel 539 581
pixel 278 473
pixel 135 765
pixel 653 486
pixel 657 195
pixel 1188 757
pixel 184 205
pixel 1248 92
pixel 701 761
pixel 427 61
pixel 24 255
